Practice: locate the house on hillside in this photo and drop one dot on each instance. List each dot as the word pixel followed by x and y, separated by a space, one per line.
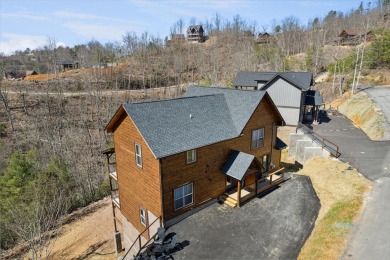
pixel 172 158
pixel 354 37
pixel 195 33
pixel 69 65
pixel 176 39
pixel 20 74
pixel 287 90
pixel 264 38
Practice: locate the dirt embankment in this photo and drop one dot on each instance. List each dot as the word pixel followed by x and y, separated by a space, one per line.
pixel 364 113
pixel 88 233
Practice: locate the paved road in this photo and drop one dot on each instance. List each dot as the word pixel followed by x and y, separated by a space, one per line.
pixel 371 236
pixel 371 158
pixel 272 227
pixel 381 96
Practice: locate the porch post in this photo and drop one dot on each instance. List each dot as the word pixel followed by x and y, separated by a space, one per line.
pixel 239 193
pixel 257 179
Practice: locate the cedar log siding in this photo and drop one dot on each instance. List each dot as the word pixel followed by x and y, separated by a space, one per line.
pixel 138 187
pixel 205 173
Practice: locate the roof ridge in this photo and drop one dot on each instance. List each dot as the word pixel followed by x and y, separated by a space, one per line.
pixel 218 87
pixel 172 99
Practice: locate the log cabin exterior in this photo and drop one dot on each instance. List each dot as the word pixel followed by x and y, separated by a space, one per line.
pixel 353 37
pixel 174 157
pixel 264 38
pixel 195 33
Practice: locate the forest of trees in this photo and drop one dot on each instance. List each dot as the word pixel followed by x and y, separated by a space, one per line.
pixel 50 144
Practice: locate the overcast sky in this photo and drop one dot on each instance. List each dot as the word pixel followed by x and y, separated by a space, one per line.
pixel 29 23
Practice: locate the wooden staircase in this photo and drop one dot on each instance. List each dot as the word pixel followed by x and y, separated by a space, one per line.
pixel 228 200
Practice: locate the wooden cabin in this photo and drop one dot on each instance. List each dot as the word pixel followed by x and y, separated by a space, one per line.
pixel 174 157
pixel 176 39
pixel 69 65
pixel 264 38
pixel 20 74
pixel 354 37
pixel 195 33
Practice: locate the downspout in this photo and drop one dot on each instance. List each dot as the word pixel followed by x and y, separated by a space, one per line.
pixel 162 193
pixel 272 142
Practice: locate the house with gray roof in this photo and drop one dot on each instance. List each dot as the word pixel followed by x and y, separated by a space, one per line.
pixel 288 91
pixel 195 33
pixel 174 157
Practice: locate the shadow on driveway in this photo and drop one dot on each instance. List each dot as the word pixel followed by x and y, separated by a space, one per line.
pixel 272 226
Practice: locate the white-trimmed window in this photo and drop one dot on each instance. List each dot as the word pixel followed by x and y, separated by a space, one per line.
pixel 142 216
pixel 191 156
pixel 138 155
pixel 257 138
pixel 183 196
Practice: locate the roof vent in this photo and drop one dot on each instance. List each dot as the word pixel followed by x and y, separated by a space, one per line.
pixel 191 116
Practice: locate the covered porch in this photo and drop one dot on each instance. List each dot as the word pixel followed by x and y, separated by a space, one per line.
pixel 246 178
pixel 241 195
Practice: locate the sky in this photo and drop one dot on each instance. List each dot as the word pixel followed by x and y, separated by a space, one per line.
pixel 30 23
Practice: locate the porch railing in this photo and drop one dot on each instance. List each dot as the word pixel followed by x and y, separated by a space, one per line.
pixel 332 148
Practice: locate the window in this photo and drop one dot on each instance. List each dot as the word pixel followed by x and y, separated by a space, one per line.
pixel 191 156
pixel 142 216
pixel 257 138
pixel 183 196
pixel 138 155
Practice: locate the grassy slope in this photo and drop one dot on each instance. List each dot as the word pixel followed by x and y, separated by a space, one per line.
pixel 341 190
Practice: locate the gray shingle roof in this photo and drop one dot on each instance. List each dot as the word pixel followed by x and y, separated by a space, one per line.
pixel 280 145
pixel 203 116
pixel 238 164
pixel 303 80
pixel 313 98
pixel 241 103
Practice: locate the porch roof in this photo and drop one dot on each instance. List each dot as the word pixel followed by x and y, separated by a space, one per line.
pixel 280 145
pixel 238 164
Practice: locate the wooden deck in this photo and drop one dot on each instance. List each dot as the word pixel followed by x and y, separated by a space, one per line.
pixel 248 192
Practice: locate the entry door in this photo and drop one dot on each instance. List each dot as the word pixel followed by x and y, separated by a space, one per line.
pixel 265 162
pixel 230 183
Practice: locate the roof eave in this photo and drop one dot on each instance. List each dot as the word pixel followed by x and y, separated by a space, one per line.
pixel 114 120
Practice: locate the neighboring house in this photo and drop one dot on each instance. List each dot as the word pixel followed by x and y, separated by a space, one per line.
pixel 195 33
pixel 287 90
pixel 69 65
pixel 354 37
pixel 263 38
pixel 176 39
pixel 21 74
pixel 174 157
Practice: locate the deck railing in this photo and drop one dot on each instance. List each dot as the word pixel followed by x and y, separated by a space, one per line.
pixel 332 148
pixel 138 240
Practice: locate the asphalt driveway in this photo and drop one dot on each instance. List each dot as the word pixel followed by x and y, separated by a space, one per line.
pixel 274 226
pixel 371 158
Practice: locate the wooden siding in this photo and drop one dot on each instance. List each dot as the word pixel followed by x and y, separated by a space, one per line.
pixel 205 173
pixel 138 187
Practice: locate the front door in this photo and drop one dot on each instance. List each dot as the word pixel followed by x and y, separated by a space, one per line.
pixel 265 162
pixel 231 183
